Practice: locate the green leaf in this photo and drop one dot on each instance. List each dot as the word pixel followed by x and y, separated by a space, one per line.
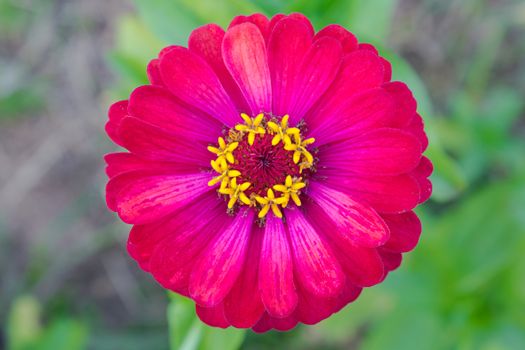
pixel 216 338
pixel 64 334
pixel 172 21
pixel 370 19
pixel 23 325
pixel 25 332
pixel 187 332
pixel 412 330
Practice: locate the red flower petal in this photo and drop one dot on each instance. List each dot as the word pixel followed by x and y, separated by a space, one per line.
pixel 379 152
pixel 386 194
pixel 276 271
pixel 405 230
pixel 312 309
pixel 316 267
pixel 364 111
pixel 348 40
pixel 206 42
pixel 388 70
pixel 120 163
pixel 117 111
pixel 217 270
pixel 350 293
pixel 297 16
pixel 150 142
pixel 362 266
pixel 212 316
pixel 181 228
pixel 192 80
pixel 244 53
pixel 421 174
pixel 360 70
pixel 416 126
pixel 142 196
pixel 153 71
pixel 177 243
pixel 289 43
pixel 353 222
pixel 243 306
pixel 260 20
pixel 390 260
pixel 316 73
pixel 405 104
pixel 157 106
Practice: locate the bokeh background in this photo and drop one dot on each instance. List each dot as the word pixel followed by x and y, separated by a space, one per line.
pixel 66 282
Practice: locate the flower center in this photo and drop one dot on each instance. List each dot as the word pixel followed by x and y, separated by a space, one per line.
pixel 262 163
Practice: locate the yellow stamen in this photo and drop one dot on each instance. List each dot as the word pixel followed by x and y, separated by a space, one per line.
pixel 224 151
pixel 252 126
pixel 270 202
pixel 291 189
pixel 282 132
pixel 236 192
pixel 221 167
pixel 299 149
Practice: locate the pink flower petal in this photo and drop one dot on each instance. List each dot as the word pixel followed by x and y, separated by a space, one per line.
pixel 243 306
pixel 123 162
pixel 177 250
pixel 353 222
pixel 386 194
pixel 284 324
pixel 289 43
pixel 391 260
pixel 192 80
pixel 316 267
pixel 360 70
pixel 153 71
pixel 312 309
pixel 260 20
pixel 297 16
pixel 368 47
pixel 363 266
pixel 212 316
pixel 388 70
pixel 350 293
pixel 182 228
pixel 244 53
pixel 348 40
pixel 157 106
pixel 361 112
pixel 206 42
pixel 383 151
pixel 217 270
pixel 405 103
pixel 276 281
pixel 143 196
pixel 316 73
pixel 151 142
pixel 421 174
pixel 117 111
pixel 405 230
pixel 263 325
pixel 416 127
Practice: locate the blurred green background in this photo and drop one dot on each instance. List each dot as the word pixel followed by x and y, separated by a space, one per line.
pixel 66 281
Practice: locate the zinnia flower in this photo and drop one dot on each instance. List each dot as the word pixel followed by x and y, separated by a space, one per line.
pixel 272 171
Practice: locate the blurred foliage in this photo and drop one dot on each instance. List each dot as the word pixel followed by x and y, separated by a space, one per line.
pixel 462 287
pixel 187 332
pixel 25 331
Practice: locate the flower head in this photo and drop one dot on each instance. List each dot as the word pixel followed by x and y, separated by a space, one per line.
pixel 271 171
